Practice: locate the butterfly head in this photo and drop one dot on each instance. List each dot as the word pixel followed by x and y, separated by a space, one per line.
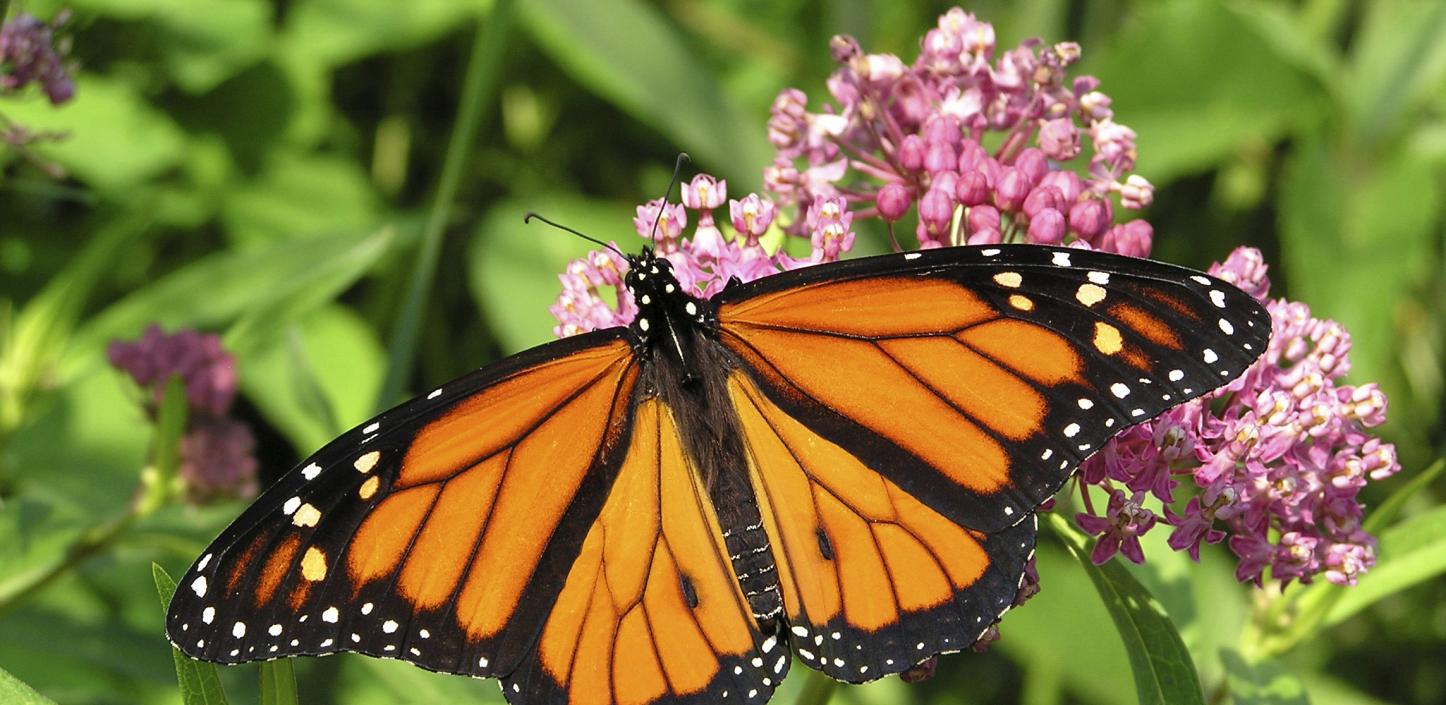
pixel 660 299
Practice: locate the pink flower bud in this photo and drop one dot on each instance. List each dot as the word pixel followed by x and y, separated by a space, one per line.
pixel 943 129
pixel 893 201
pixel 1011 188
pixel 1136 192
pixel 843 48
pixel 945 181
pixel 971 156
pixel 939 157
pixel 936 210
pixel 1043 197
pixel 1132 239
pixel 1090 218
pixel 972 188
pixel 1067 182
pixel 982 218
pixel 1046 227
pixel 1059 139
pixel 911 153
pixel 987 236
pixel 1033 164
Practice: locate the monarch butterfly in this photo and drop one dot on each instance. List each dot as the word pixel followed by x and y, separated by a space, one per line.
pixel 840 462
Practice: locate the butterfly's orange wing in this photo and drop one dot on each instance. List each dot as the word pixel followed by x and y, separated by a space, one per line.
pixel 651 611
pixel 904 416
pixel 434 533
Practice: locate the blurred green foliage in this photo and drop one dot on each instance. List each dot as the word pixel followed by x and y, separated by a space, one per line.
pixel 270 171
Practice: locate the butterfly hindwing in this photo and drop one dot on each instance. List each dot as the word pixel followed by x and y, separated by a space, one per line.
pixel 651 611
pixel 427 534
pixel 873 580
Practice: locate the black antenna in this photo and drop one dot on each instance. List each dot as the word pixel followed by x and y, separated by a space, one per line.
pixel 677 169
pixel 530 215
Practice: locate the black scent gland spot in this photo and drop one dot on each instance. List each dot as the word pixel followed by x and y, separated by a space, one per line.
pixel 824 546
pixel 689 593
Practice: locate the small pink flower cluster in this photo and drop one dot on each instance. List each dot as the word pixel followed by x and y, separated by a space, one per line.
pixel 217 451
pixel 29 53
pixel 1277 457
pixel 903 135
pixel 703 262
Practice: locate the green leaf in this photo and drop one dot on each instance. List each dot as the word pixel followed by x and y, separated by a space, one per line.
pixel 512 268
pixel 1411 552
pixel 1197 81
pixel 215 290
pixel 1044 633
pixel 319 378
pixel 626 52
pixel 280 204
pixel 199 682
pixel 1164 673
pixel 278 683
pixel 1398 63
pixel 1261 682
pixel 14 692
pixel 114 141
pixel 335 32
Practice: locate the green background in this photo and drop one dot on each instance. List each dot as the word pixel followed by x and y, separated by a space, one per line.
pixel 271 171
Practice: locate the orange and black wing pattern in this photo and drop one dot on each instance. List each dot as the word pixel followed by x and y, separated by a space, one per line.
pixel 651 611
pixel 904 415
pixel 434 533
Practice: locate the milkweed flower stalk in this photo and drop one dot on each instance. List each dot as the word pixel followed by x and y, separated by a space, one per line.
pixel 1272 464
pixel 217 451
pixel 903 137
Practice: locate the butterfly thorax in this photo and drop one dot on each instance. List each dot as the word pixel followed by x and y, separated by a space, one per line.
pixel 686 368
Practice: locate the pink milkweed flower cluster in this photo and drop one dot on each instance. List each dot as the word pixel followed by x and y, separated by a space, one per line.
pixel 30 53
pixel 217 451
pixel 1275 460
pixel 703 261
pixel 1271 464
pixel 910 136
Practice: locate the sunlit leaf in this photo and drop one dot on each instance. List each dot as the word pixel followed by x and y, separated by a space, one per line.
pixel 13 691
pixel 1164 672
pixel 513 268
pixel 199 684
pixel 1261 682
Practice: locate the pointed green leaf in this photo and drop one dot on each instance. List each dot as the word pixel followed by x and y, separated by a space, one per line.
pixel 628 53
pixel 1164 672
pixel 278 683
pixel 13 691
pixel 199 683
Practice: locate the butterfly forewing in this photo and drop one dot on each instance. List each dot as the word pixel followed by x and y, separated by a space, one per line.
pixel 427 534
pixel 978 378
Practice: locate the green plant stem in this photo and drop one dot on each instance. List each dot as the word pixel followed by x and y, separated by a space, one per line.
pixel 483 69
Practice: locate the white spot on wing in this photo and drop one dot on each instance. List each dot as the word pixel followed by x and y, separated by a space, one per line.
pixel 1217 297
pixel 1120 390
pixel 435 393
pixel 198 586
pixel 389 626
pixel 330 615
pixel 204 561
pixel 1101 278
pixel 911 256
pixel 1226 327
pixel 290 506
pixel 372 427
pixel 1061 259
pixel 1071 430
pixel 208 614
pixel 1176 375
pixel 1209 355
pixel 311 471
